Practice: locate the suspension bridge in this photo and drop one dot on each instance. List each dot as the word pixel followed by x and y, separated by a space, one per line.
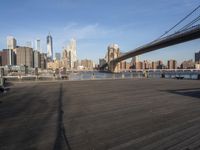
pixel 188 32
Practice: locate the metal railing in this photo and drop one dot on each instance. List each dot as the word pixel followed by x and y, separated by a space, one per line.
pixel 126 74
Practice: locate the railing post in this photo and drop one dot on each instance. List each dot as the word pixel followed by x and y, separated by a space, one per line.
pixel 81 76
pixel 131 74
pixel 1 77
pixel 122 76
pixel 93 76
pixel 191 74
pixel 113 76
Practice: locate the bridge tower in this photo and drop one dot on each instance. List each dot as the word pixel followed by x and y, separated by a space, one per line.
pixel 113 52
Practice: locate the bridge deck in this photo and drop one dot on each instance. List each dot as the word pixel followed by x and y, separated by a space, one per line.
pixel 109 114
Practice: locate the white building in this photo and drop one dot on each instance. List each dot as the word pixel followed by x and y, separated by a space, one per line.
pixel 37 59
pixel 37 45
pixel 197 66
pixel 135 59
pixel 72 49
pixel 11 42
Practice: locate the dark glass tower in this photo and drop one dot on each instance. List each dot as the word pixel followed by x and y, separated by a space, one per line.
pixel 50 47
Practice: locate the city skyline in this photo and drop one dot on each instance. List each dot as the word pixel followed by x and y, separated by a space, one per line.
pixel 127 23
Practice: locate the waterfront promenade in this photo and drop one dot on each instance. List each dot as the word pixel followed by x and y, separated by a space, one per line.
pixel 127 114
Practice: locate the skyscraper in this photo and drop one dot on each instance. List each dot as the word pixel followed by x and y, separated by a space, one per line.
pixel 37 45
pixel 102 61
pixel 36 59
pixel 7 57
pixel 135 59
pixel 11 42
pixel 172 64
pixel 147 64
pixel 24 56
pixel 65 59
pixel 197 57
pixel 57 56
pixel 43 59
pixel 72 49
pixel 49 47
pixel 136 64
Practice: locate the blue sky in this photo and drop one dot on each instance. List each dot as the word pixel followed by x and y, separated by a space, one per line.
pixel 97 23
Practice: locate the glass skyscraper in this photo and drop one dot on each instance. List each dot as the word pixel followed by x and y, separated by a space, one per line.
pixel 49 47
pixel 197 57
pixel 57 56
pixel 37 45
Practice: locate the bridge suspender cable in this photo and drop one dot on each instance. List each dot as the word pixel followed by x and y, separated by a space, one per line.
pixel 180 21
pixel 190 24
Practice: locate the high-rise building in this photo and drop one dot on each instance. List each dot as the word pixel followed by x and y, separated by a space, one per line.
pixel 36 59
pixel 135 59
pixel 154 65
pixel 76 64
pixel 102 62
pixel 157 65
pixel 57 56
pixel 8 57
pixel 135 62
pixel 43 60
pixel 37 45
pixel 197 57
pixel 124 65
pixel 24 56
pixel 172 64
pixel 11 42
pixel 66 59
pixel 147 64
pixel 4 57
pixel 0 59
pixel 50 47
pixel 72 47
pixel 139 65
pixel 160 65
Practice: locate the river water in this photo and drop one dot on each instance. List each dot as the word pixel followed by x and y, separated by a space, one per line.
pixel 89 75
pixel 96 75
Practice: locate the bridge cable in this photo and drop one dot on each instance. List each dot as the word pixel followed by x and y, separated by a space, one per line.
pixel 180 21
pixel 190 24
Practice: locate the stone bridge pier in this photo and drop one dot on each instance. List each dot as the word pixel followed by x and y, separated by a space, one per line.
pixel 113 53
pixel 113 67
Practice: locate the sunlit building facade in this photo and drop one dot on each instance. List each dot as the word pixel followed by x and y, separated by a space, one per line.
pixel 172 64
pixel 11 42
pixel 69 56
